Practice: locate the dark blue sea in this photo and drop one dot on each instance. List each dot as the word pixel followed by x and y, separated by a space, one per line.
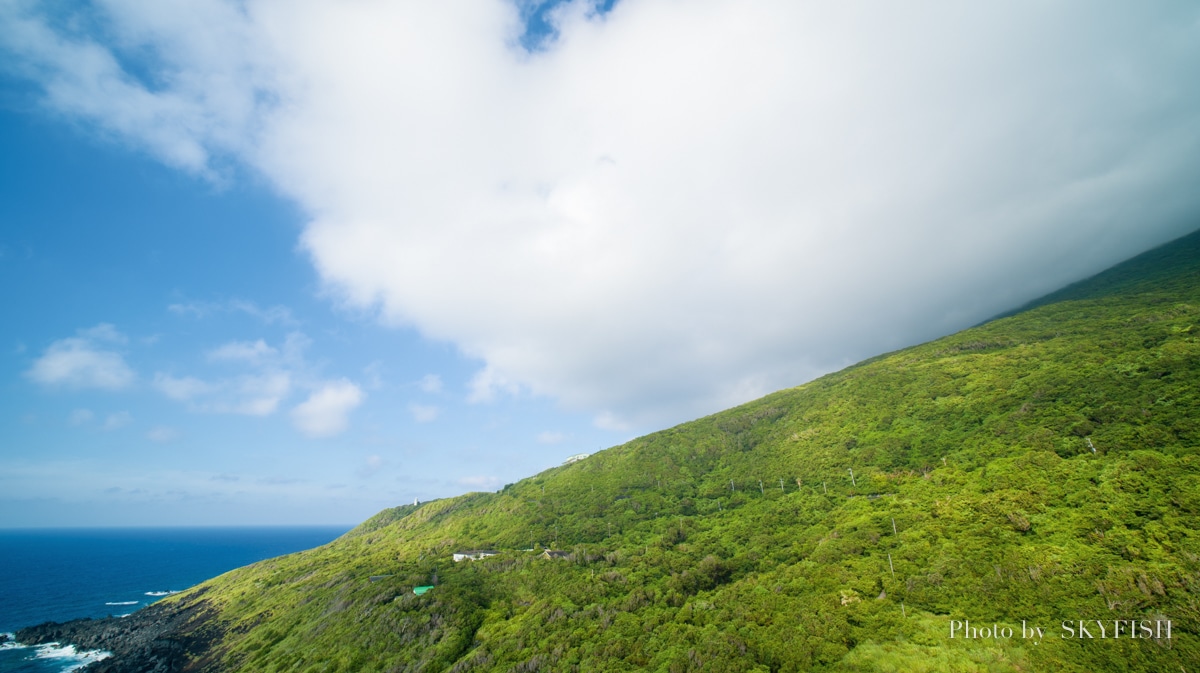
pixel 56 575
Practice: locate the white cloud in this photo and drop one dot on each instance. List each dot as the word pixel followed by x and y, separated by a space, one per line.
pixel 676 206
pixel 251 395
pixel 77 362
pixel 430 383
pixel 81 416
pixel 272 375
pixel 182 388
pixel 103 332
pixel 548 437
pixel 423 413
pixel 161 434
pixel 178 122
pixel 244 351
pixel 325 412
pixel 254 395
pixel 118 420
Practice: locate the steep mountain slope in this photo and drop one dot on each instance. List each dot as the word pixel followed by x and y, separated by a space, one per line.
pixel 1039 468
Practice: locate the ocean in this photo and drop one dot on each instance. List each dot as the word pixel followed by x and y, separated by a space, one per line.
pixel 57 575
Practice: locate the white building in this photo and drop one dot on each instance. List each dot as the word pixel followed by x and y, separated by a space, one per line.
pixel 474 554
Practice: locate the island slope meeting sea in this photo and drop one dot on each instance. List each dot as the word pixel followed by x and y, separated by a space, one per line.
pixel 71 573
pixel 1036 469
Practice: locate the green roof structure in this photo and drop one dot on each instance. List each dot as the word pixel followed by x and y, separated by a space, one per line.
pixel 420 590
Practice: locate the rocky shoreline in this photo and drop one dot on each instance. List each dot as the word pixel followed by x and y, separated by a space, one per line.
pixel 170 638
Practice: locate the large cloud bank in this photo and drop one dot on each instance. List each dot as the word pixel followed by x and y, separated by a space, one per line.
pixel 672 206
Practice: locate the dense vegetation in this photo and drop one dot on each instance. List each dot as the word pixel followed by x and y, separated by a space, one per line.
pixel 1041 467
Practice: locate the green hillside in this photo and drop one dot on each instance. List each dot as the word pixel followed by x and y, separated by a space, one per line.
pixel 1041 467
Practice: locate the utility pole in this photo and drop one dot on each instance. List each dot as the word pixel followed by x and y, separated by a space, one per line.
pixel 852 477
pixel 781 485
pixel 894 531
pixel 760 487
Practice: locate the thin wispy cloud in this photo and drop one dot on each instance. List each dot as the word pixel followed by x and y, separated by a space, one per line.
pixel 162 434
pixel 271 376
pixel 373 464
pixel 430 383
pixel 182 388
pixel 85 361
pixel 251 352
pixel 117 420
pixel 258 395
pixel 250 395
pixel 423 413
pixel 606 420
pixel 480 481
pixel 104 332
pixel 271 315
pixel 373 374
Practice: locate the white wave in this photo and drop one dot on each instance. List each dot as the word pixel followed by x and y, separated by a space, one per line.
pixel 161 593
pixel 73 659
pixel 11 643
pixel 123 603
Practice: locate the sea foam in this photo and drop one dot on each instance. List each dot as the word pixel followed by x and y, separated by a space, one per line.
pixel 160 593
pixel 123 603
pixel 72 658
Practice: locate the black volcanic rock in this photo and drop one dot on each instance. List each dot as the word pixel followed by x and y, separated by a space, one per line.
pixel 160 638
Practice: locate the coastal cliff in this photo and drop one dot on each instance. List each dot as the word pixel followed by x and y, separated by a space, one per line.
pixel 160 638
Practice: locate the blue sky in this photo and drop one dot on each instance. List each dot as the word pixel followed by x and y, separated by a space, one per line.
pixel 130 258
pixel 295 262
